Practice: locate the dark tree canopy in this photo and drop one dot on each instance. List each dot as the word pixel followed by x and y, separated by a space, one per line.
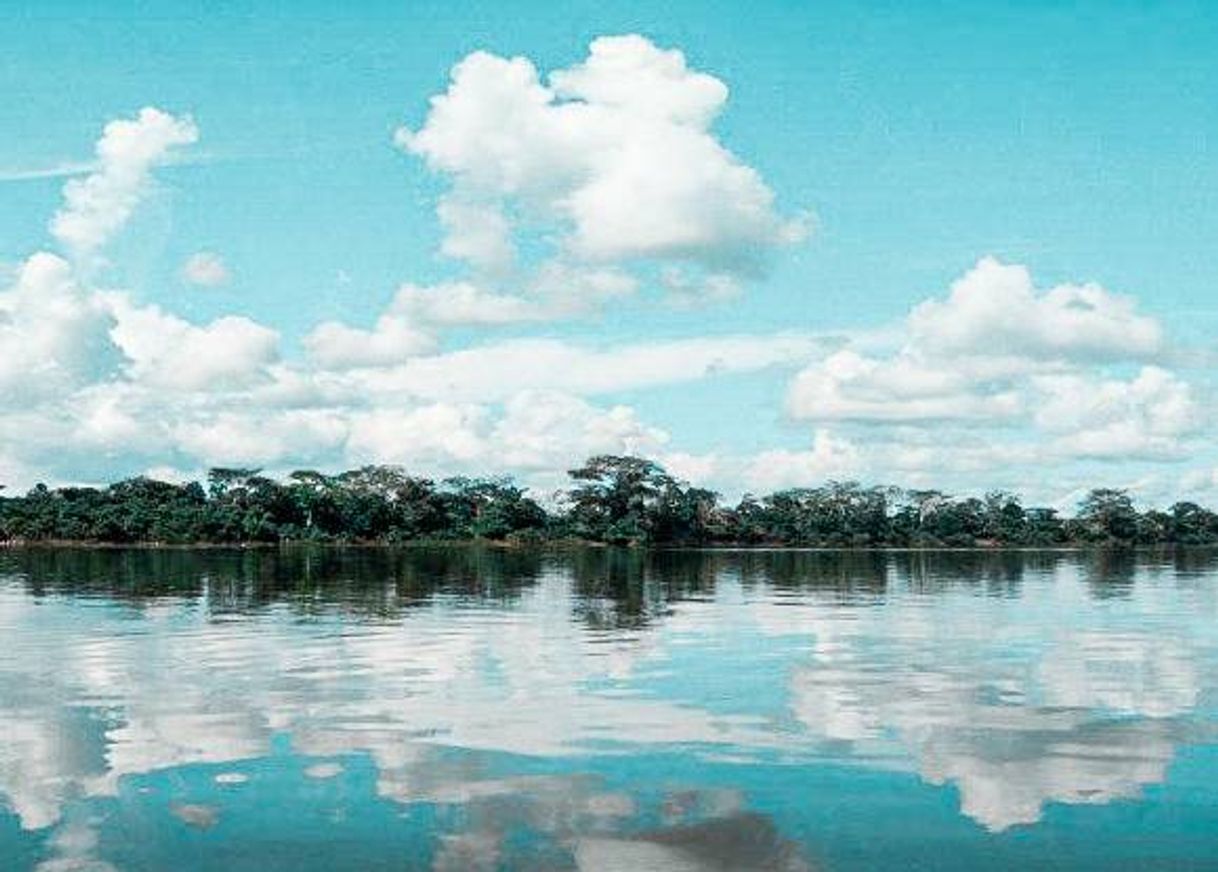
pixel 618 500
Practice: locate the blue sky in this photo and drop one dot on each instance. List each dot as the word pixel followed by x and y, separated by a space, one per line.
pixel 901 144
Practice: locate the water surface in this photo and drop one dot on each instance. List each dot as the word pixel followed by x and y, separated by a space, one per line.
pixel 464 709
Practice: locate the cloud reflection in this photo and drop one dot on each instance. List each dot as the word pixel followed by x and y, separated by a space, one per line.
pixel 1046 697
pixel 1014 682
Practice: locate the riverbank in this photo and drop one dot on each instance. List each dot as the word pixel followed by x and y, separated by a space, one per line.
pixel 585 544
pixel 612 501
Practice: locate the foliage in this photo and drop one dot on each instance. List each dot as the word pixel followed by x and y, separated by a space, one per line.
pixel 615 500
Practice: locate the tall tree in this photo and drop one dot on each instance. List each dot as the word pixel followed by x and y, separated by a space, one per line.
pixel 1108 515
pixel 615 498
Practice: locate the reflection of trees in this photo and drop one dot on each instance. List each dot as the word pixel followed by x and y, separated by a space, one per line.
pixel 1113 573
pixel 1192 561
pixel 366 581
pixel 998 573
pixel 611 587
pixel 1110 574
pixel 618 588
pixel 848 574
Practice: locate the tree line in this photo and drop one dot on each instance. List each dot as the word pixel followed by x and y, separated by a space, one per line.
pixel 611 499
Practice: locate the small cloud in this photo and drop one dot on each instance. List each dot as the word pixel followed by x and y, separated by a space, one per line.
pixel 206 269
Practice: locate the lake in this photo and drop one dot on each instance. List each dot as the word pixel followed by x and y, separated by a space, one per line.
pixel 468 709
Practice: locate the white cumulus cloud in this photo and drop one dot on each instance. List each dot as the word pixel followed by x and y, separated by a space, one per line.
pixel 169 352
pixel 98 204
pixel 996 352
pixel 830 457
pixel 994 310
pixel 613 158
pixel 337 346
pixel 54 334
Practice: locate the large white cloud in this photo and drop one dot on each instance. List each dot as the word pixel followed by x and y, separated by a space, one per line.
pixel 434 435
pixel 1150 415
pixel 337 346
pixel 54 334
pixel 1071 373
pixel 169 352
pixel 995 310
pixel 975 354
pixel 849 386
pixel 612 157
pixel 533 432
pixel 97 205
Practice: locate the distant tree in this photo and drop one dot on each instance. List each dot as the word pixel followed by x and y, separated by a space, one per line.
pixel 490 508
pixel 1108 515
pixel 313 496
pixel 1191 524
pixel 687 515
pixel 1043 527
pixel 389 498
pixel 615 498
pixel 1004 518
pixel 221 481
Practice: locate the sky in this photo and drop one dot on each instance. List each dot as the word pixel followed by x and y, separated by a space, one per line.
pixel 967 246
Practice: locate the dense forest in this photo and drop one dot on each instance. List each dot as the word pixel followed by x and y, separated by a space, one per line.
pixel 613 500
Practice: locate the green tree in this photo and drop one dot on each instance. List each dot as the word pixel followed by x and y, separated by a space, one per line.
pixel 616 498
pixel 1108 515
pixel 490 508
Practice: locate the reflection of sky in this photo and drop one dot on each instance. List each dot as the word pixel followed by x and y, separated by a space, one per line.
pixel 1019 698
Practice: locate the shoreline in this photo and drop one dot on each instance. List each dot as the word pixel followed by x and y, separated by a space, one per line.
pixel 569 544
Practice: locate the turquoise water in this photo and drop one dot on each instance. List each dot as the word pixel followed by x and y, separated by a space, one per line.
pixel 467 709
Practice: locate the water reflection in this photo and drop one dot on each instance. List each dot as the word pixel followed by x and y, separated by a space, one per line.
pixel 514 692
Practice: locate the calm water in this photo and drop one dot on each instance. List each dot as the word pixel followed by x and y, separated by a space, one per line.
pixel 464 710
